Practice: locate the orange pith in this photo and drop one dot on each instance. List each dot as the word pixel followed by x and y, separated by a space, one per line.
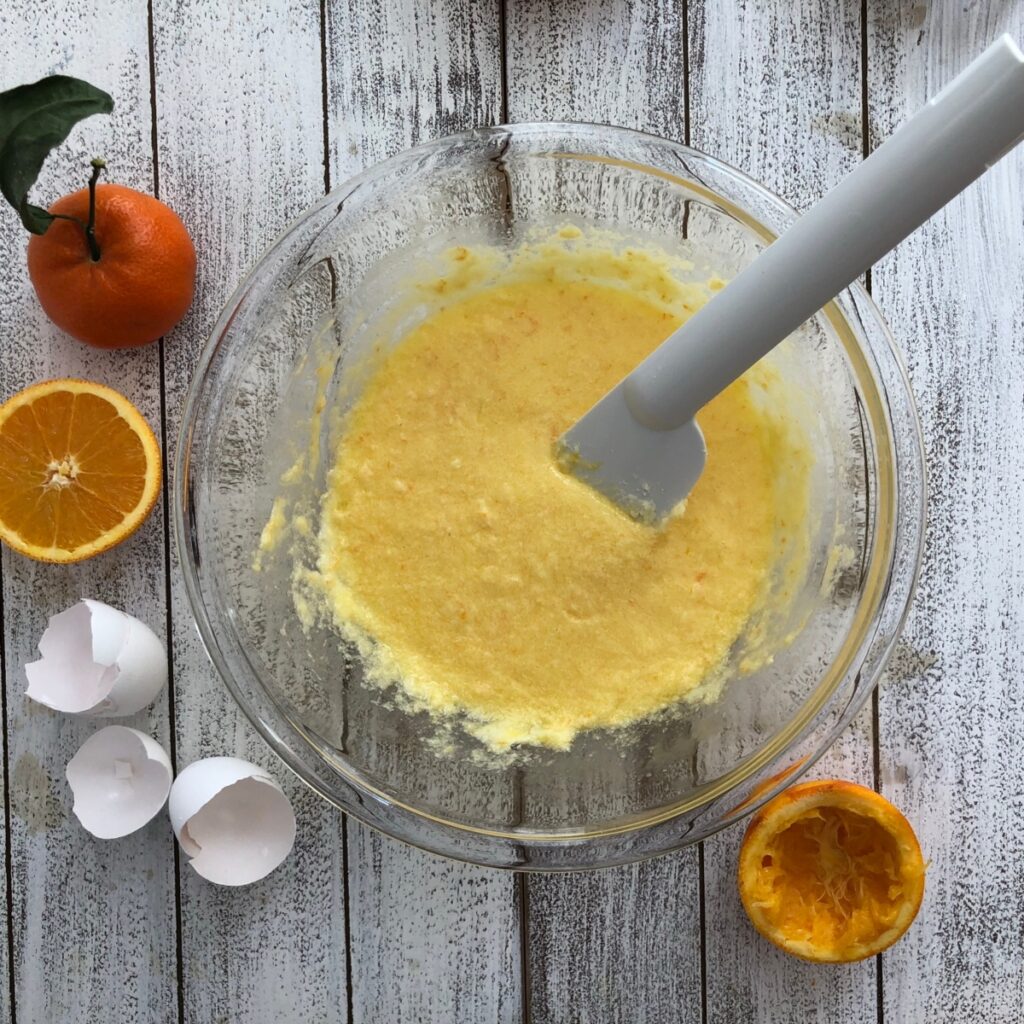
pixel 79 470
pixel 830 871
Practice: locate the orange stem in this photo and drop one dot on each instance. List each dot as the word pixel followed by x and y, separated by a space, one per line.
pixel 98 166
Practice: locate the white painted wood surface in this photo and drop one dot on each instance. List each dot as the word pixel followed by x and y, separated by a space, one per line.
pixel 93 923
pixel 793 123
pixel 597 941
pixel 356 927
pixel 240 152
pixel 437 941
pixel 951 713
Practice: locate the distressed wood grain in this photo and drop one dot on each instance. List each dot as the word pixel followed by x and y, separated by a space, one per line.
pixel 624 944
pixel 6 1004
pixel 608 61
pixel 403 72
pixel 775 90
pixel 93 922
pixel 951 712
pixel 431 940
pixel 240 150
pixel 617 945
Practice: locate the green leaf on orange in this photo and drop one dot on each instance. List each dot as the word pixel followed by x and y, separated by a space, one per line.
pixel 34 119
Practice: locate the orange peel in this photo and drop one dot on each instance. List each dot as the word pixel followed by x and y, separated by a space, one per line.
pixel 830 871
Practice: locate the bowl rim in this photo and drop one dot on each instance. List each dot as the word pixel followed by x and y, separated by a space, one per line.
pixel 772 753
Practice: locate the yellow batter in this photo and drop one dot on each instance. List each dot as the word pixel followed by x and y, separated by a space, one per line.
pixel 489 583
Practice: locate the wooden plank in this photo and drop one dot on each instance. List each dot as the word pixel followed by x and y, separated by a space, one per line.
pixel 619 945
pixel 431 940
pixel 93 922
pixel 240 149
pixel 749 981
pixel 775 90
pixel 951 712
pixel 6 1002
pixel 403 72
pixel 610 61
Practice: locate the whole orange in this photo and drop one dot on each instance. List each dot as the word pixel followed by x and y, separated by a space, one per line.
pixel 137 290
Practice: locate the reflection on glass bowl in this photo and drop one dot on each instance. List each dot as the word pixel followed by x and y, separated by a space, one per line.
pixel 256 401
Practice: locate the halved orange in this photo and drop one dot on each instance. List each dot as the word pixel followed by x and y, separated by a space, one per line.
pixel 830 871
pixel 79 470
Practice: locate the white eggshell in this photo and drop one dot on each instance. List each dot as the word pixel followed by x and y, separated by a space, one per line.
pixel 97 661
pixel 232 819
pixel 120 778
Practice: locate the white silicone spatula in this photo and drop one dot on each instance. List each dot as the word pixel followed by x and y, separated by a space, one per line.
pixel 640 445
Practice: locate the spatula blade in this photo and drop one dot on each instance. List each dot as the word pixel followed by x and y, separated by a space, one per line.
pixel 646 472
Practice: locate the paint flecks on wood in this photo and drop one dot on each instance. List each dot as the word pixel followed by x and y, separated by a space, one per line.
pixel 435 941
pixel 951 713
pixel 432 940
pixel 403 72
pixel 618 945
pixel 38 806
pixel 240 147
pixel 776 91
pixel 603 61
pixel 79 906
pixel 240 94
pixel 621 945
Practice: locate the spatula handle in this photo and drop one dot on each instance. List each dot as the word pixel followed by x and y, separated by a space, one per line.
pixel 935 155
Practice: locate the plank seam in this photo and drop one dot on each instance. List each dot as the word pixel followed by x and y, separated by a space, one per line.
pixel 179 948
pixel 165 509
pixel 522 888
pixel 703 935
pixel 686 77
pixel 522 891
pixel 865 146
pixel 8 871
pixel 701 881
pixel 503 56
pixel 324 95
pixel 876 745
pixel 346 915
pixel 349 1001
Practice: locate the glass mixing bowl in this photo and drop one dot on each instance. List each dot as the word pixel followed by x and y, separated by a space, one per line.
pixel 277 365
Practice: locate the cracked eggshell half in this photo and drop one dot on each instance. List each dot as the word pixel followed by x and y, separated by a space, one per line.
pixel 232 819
pixel 120 778
pixel 97 661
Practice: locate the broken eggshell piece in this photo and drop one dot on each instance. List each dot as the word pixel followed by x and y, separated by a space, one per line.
pixel 98 661
pixel 232 819
pixel 120 778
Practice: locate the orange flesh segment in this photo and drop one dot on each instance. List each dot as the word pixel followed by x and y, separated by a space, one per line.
pixel 831 878
pixel 78 470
